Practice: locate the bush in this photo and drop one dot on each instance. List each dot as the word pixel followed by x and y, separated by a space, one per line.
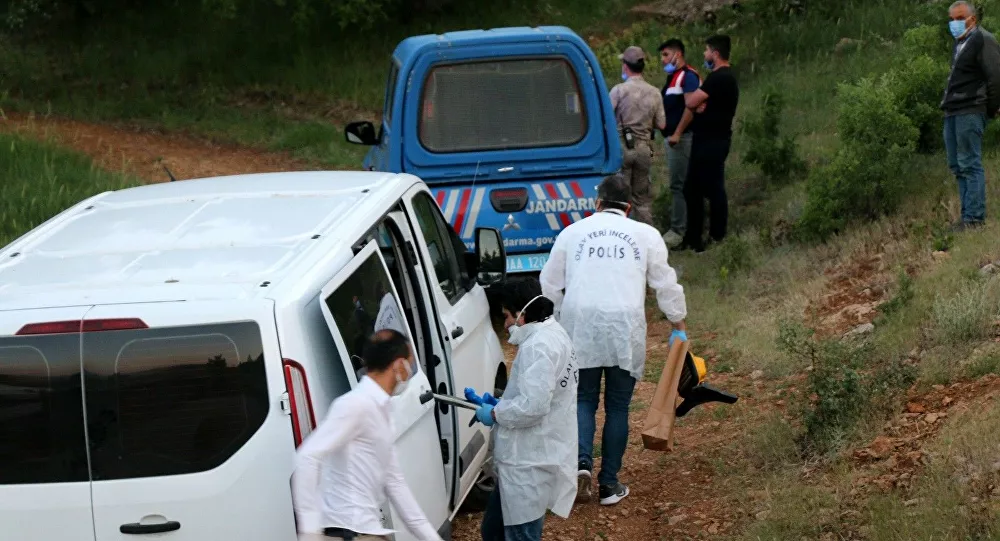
pixel 917 87
pixel 866 178
pixel 777 156
pixel 927 40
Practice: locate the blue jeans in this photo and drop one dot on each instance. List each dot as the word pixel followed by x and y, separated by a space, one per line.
pixel 963 141
pixel 493 529
pixel 677 169
pixel 618 388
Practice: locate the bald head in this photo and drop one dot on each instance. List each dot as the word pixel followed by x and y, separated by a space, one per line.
pixel 384 348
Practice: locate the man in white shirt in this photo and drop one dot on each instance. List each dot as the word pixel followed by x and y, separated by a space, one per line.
pixel 347 466
pixel 596 276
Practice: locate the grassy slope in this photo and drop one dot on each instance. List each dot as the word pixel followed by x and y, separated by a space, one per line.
pixel 737 315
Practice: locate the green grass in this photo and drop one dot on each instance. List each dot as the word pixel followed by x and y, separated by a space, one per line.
pixel 41 179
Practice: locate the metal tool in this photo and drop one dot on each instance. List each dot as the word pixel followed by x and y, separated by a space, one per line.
pixel 453 400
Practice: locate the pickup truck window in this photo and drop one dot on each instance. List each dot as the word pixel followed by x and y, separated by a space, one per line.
pixel 390 92
pixel 447 266
pixel 501 105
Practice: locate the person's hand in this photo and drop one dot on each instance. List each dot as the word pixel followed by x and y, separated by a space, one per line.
pixel 485 414
pixel 678 334
pixel 673 139
pixel 701 108
pixel 490 399
pixel 471 396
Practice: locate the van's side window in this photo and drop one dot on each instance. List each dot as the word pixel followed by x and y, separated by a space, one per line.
pixel 172 400
pixel 447 262
pixel 364 304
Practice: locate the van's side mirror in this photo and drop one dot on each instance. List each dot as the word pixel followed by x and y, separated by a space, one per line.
pixel 491 255
pixel 361 133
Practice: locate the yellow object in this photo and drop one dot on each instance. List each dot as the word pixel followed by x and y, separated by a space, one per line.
pixel 699 364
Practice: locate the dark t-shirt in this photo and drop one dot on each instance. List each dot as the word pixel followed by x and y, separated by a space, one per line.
pixel 683 81
pixel 723 96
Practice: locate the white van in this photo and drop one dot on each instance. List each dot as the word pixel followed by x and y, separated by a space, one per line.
pixel 164 349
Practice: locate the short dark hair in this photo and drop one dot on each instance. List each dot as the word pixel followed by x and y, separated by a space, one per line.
pixel 515 294
pixel 636 67
pixel 615 191
pixel 721 44
pixel 383 348
pixel 672 43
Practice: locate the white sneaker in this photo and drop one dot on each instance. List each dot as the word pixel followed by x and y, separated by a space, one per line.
pixel 673 239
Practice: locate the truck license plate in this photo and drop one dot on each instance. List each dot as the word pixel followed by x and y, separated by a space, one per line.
pixel 526 262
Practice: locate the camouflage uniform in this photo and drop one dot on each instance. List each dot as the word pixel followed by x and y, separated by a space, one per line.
pixel 638 106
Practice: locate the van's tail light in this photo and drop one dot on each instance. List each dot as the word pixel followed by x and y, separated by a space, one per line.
pixel 509 199
pixel 87 325
pixel 299 400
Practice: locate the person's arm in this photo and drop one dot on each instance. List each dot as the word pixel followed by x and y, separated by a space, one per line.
pixel 553 275
pixel 614 97
pixel 660 116
pixel 402 498
pixel 689 84
pixel 341 426
pixel 686 117
pixel 536 385
pixel 696 99
pixel 663 279
pixel 989 62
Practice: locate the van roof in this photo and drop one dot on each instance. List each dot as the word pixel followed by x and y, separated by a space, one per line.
pixel 206 238
pixel 414 45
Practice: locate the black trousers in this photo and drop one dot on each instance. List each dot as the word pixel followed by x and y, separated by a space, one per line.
pixel 706 179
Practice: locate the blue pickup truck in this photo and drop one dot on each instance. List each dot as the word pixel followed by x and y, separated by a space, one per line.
pixel 511 128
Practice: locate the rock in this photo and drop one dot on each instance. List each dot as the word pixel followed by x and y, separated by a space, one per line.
pixel 911 503
pixel 762 515
pixel 940 256
pixel 624 513
pixel 756 374
pixel 860 330
pixel 713 529
pixel 914 407
pixel 989 270
pixel 881 447
pixel 931 418
pixel 947 400
pixel 676 519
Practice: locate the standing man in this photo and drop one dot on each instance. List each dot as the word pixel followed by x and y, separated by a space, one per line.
pixel 347 466
pixel 638 110
pixel 604 264
pixel 681 82
pixel 714 105
pixel 972 96
pixel 535 421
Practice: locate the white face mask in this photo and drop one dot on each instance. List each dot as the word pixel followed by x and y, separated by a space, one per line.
pixel 517 331
pixel 402 383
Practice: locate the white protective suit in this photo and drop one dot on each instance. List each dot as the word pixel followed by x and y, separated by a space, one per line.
pixel 604 263
pixel 535 436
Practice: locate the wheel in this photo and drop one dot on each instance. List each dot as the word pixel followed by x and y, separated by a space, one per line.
pixel 479 496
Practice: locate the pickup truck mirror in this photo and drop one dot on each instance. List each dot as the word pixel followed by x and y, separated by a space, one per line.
pixel 361 133
pixel 491 256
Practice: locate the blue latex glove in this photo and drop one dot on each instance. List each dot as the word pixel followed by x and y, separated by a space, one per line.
pixel 485 414
pixel 487 398
pixel 679 335
pixel 471 396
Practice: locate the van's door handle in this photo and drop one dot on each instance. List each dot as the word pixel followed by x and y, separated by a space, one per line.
pixel 141 529
pixel 457 331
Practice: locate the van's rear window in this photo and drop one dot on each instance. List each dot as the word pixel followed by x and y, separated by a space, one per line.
pixel 41 410
pixel 501 105
pixel 161 401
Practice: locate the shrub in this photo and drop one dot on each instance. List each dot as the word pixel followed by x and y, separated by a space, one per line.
pixel 865 179
pixel 927 40
pixel 917 86
pixel 777 156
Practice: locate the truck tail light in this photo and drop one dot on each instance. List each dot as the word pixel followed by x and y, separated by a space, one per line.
pixel 299 400
pixel 509 199
pixel 77 326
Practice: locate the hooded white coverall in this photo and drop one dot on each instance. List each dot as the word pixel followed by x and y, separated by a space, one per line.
pixel 535 436
pixel 604 262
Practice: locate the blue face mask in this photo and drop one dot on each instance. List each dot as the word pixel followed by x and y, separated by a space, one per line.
pixel 957 28
pixel 670 69
pixel 709 65
pixel 624 77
